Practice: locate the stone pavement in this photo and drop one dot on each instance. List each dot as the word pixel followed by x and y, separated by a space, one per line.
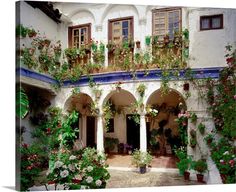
pixel 125 179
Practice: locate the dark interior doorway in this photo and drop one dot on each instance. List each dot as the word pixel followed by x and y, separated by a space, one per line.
pixel 133 132
pixel 91 131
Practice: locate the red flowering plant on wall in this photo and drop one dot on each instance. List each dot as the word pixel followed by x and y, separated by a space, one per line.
pixel 182 121
pixel 221 96
pixel 30 165
pixel 223 154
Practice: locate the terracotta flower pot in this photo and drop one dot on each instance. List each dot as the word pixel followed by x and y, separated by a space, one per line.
pixel 200 178
pixel 223 177
pixel 186 175
pixel 186 86
pixel 138 44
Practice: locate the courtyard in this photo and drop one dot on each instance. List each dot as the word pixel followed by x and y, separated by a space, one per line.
pixel 112 96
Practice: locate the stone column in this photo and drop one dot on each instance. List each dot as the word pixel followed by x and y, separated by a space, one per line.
pixel 100 142
pixel 143 133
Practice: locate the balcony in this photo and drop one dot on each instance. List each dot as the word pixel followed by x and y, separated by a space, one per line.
pixel 46 56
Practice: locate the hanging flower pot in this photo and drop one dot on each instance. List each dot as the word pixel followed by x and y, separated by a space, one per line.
pixel 186 86
pixel 148 40
pixel 138 44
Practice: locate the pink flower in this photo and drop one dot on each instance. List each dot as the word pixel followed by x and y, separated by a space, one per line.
pixel 235 97
pixel 231 162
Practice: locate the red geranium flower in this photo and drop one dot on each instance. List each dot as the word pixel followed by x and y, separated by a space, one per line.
pixel 76 180
pixel 25 145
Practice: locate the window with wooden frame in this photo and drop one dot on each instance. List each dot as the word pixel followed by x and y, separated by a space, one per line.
pixel 120 29
pixel 166 21
pixel 79 35
pixel 211 22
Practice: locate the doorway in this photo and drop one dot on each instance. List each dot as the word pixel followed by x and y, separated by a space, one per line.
pixel 91 131
pixel 133 132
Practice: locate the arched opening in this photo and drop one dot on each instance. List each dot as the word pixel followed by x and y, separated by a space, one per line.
pixel 81 103
pixel 162 129
pixel 122 132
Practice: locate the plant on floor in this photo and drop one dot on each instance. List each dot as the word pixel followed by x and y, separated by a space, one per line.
pixel 223 154
pixel 110 143
pixel 93 170
pixel 68 134
pixel 184 165
pixel 141 159
pixel 201 167
pixel 63 170
pixel 30 166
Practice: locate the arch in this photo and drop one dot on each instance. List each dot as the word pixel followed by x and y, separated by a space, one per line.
pixel 81 10
pixel 123 92
pixel 172 91
pixel 110 6
pixel 79 102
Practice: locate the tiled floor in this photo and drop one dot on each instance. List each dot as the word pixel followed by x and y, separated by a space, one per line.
pixel 116 160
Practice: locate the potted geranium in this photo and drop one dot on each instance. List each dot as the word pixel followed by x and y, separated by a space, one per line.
pixel 141 159
pixel 201 167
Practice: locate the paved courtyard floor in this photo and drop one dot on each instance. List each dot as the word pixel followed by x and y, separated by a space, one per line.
pixel 125 179
pixel 163 172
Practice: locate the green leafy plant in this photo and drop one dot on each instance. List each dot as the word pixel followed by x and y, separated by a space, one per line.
pixel 71 53
pixel 141 159
pixel 200 166
pixel 22 103
pixel 21 31
pixel 184 165
pixel 108 113
pixel 110 143
pixel 93 170
pixel 193 117
pixel 28 58
pixel 201 127
pixel 141 89
pixel 30 166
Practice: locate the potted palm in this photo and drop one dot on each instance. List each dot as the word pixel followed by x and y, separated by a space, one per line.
pixel 141 159
pixel 201 167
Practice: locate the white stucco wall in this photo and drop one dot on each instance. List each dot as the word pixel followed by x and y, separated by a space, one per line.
pixel 36 19
pixel 207 48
